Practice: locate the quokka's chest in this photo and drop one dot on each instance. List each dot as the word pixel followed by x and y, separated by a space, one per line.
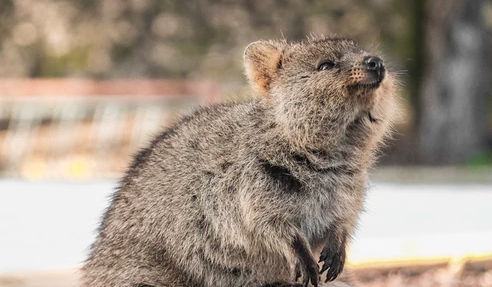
pixel 328 204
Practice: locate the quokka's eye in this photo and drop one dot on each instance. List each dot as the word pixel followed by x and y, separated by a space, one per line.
pixel 326 65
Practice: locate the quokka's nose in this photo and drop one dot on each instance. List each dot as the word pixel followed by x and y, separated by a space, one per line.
pixel 375 64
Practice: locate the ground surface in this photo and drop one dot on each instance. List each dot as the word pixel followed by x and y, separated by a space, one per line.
pixel 47 226
pixel 476 274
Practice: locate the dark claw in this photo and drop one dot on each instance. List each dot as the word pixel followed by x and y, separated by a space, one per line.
pixel 298 272
pixel 334 260
pixel 309 267
pixel 335 269
pixel 306 282
pixel 312 274
pixel 324 268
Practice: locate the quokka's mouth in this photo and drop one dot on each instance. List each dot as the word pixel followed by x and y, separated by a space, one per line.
pixel 366 115
pixel 371 118
pixel 370 84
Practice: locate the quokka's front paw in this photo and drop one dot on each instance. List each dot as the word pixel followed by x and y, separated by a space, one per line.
pixel 307 264
pixel 333 257
pixel 309 273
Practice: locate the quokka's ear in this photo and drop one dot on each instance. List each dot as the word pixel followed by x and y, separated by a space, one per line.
pixel 262 60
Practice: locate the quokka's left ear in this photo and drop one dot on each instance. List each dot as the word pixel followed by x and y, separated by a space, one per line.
pixel 262 61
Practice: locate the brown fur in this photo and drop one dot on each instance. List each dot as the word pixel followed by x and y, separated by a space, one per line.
pixel 248 194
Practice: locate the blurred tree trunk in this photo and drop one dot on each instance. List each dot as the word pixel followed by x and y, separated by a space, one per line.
pixel 454 91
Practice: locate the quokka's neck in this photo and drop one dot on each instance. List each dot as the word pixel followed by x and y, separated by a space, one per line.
pixel 270 140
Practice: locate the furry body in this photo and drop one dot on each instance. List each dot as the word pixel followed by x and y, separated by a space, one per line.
pixel 245 194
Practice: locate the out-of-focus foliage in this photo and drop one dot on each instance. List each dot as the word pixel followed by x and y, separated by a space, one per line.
pixel 205 39
pixel 150 38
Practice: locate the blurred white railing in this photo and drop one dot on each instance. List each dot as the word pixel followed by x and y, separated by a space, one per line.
pixel 82 129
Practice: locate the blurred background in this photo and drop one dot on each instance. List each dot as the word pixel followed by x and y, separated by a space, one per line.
pixel 85 83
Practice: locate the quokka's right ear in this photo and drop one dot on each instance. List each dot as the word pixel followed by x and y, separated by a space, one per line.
pixel 262 60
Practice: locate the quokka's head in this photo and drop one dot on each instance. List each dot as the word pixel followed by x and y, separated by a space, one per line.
pixel 323 91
